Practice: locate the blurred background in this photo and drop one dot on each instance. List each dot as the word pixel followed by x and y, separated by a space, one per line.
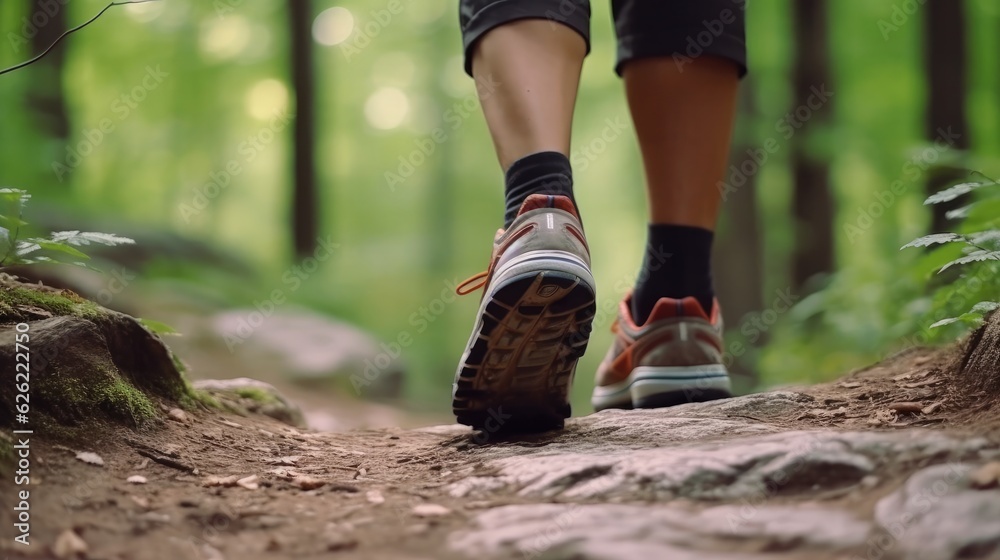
pixel 307 181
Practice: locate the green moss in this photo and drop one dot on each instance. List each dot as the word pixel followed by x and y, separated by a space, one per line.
pixel 192 398
pixel 121 400
pixel 6 450
pixel 110 394
pixel 57 303
pixel 256 394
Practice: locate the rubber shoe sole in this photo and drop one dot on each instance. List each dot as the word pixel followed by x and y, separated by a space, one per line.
pixel 658 387
pixel 532 328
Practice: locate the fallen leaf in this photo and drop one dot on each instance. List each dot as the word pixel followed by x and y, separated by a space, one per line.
pixel 913 407
pixel 430 510
pixel 308 483
pixel 226 481
pixel 90 458
pixel 69 545
pixel 136 479
pixel 230 424
pixel 291 460
pixel 986 476
pixel 932 408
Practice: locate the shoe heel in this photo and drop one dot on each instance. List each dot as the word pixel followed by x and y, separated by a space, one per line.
pixel 657 387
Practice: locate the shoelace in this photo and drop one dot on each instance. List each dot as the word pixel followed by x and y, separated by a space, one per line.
pixel 477 280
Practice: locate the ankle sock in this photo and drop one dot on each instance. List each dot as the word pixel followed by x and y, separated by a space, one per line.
pixel 540 173
pixel 677 264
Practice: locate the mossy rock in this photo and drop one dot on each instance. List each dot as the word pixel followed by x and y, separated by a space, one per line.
pixel 87 363
pixel 249 396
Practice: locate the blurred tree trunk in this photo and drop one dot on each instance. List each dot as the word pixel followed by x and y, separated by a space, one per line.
pixel 45 97
pixel 738 261
pixel 305 206
pixel 812 201
pixel 945 65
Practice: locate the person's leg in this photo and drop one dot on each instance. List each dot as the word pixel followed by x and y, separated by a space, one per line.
pixel 538 293
pixel 683 119
pixel 681 61
pixel 530 54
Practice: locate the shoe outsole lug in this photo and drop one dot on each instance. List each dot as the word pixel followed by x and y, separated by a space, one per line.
pixel 517 376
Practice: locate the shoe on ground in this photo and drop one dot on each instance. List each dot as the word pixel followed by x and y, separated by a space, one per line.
pixel 676 357
pixel 533 323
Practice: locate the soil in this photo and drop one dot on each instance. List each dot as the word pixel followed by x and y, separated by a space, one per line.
pixel 378 493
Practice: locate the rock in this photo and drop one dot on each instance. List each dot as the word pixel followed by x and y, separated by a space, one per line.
pixel 136 479
pixel 430 510
pixel 938 514
pixel 986 476
pixel 313 348
pixel 90 458
pixel 254 396
pixel 250 482
pixel 177 415
pixel 374 497
pixel 87 363
pixel 599 531
pixel 69 545
pixel 751 466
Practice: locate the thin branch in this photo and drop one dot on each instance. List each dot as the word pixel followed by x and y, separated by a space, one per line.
pixel 67 32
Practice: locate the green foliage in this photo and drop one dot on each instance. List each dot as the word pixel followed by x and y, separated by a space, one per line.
pixel 979 244
pixel 35 250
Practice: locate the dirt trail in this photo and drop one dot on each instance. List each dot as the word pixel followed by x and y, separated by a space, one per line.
pixel 821 472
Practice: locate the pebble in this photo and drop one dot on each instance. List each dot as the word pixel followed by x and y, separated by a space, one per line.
pixel 177 415
pixel 249 482
pixel 69 545
pixel 136 479
pixel 986 476
pixel 375 497
pixel 90 458
pixel 308 483
pixel 430 510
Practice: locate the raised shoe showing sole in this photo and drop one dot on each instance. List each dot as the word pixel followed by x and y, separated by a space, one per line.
pixel 674 358
pixel 532 326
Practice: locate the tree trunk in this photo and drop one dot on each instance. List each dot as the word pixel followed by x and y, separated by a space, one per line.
pixel 812 202
pixel 945 66
pixel 979 366
pixel 305 207
pixel 738 261
pixel 46 97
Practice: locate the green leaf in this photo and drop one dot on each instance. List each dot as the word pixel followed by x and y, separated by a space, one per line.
pixel 985 237
pixel 18 196
pixel 933 239
pixel 958 213
pixel 944 322
pixel 985 307
pixel 951 193
pixel 157 327
pixel 59 248
pixel 975 256
pixel 90 237
pixel 25 248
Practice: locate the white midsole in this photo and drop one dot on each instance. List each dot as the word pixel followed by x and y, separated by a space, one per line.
pixel 646 381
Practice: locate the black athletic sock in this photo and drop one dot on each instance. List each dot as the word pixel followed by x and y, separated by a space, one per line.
pixel 544 173
pixel 677 264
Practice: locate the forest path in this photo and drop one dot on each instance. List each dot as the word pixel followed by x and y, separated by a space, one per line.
pixel 851 469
